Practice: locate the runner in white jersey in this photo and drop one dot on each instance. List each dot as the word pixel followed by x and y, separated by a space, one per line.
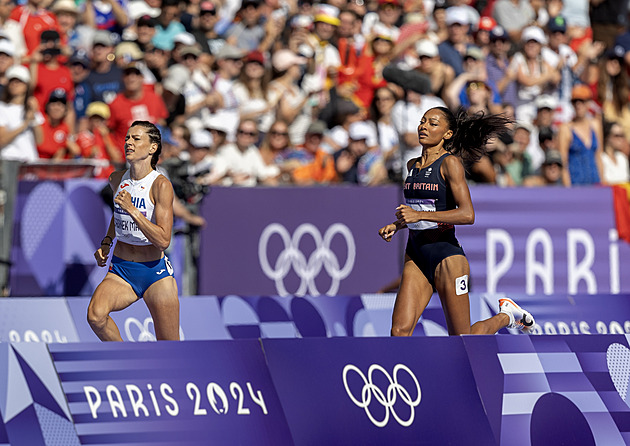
pixel 142 224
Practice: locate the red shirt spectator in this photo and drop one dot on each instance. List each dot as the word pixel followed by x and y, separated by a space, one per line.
pixel 56 142
pixel 133 104
pixel 33 20
pixel 49 73
pixel 95 141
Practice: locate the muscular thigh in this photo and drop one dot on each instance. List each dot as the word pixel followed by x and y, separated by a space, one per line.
pixel 413 295
pixel 113 294
pixel 451 282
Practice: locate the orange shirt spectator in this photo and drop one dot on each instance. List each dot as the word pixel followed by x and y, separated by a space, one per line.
pixel 318 166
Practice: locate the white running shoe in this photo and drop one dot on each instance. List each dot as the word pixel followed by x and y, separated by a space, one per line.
pixel 519 318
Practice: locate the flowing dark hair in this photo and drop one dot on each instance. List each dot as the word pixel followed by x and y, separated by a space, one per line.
pixel 472 132
pixel 154 136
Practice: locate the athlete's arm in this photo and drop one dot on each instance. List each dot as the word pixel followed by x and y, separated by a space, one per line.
pixel 454 175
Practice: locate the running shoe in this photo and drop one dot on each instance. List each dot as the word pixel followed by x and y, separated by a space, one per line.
pixel 519 318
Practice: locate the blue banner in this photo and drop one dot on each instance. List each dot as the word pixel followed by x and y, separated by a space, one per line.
pixel 378 391
pixel 36 320
pixel 171 393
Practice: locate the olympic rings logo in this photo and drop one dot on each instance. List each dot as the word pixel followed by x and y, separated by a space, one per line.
pixel 306 269
pixel 388 398
pixel 145 334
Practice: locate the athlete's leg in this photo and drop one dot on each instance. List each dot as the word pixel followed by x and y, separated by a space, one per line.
pixel 163 303
pixel 413 296
pixel 112 294
pixel 451 282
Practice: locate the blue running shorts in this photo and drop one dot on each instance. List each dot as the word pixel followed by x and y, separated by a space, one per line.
pixel 141 275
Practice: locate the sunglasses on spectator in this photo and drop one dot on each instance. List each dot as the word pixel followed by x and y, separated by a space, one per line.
pixel 206 12
pixel 477 85
pixel 278 133
pixel 245 132
pixel 132 71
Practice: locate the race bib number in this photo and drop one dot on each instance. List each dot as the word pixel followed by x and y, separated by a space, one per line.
pixel 461 285
pixel 418 204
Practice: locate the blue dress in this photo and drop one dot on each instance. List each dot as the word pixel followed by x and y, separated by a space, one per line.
pixel 582 166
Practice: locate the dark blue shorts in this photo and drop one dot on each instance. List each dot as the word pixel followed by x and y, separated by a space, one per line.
pixel 428 255
pixel 141 275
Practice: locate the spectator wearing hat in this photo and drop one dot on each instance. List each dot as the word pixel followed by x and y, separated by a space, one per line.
pixel 314 165
pixel 244 163
pixel 534 76
pixel 472 89
pixel 482 35
pixel 20 118
pixel 145 31
pixel 295 106
pixel 200 98
pixel 95 139
pixel 79 66
pixel 107 15
pixel 255 99
pixel 228 65
pixel 67 15
pixel 105 78
pixel 388 13
pixel 513 16
pixel 32 18
pixel 57 142
pixel 134 103
pixel 357 163
pixel 453 49
pixel 208 39
pixel 219 130
pixel 48 74
pixel 326 55
pixel 205 166
pixel 498 63
pixel 347 112
pixel 372 62
pixel 610 83
pixel 580 142
pixel 168 25
pixel 551 172
pixel 441 74
pixel 544 123
pixel 7 50
pixel 561 57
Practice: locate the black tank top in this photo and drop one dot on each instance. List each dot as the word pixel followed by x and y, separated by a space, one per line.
pixel 426 190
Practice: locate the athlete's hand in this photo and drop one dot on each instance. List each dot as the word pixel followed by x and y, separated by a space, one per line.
pixel 406 215
pixel 387 232
pixel 123 199
pixel 101 255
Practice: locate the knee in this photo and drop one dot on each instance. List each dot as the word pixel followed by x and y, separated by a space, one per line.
pixel 97 316
pixel 398 330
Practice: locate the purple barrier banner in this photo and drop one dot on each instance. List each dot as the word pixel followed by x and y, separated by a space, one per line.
pixel 297 241
pixel 58 226
pixel 171 393
pixel 545 241
pixel 323 241
pixel 551 390
pixel 36 320
pixel 378 391
pixel 564 315
pixel 200 319
pixel 33 407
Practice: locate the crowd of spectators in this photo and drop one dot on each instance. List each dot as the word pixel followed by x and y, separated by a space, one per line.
pixel 281 92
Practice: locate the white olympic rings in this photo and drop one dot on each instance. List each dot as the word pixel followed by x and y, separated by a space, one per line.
pixel 306 269
pixel 388 398
pixel 145 334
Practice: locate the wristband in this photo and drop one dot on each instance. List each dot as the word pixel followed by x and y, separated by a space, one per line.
pixel 111 241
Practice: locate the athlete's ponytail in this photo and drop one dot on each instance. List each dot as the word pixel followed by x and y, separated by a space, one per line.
pixel 472 132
